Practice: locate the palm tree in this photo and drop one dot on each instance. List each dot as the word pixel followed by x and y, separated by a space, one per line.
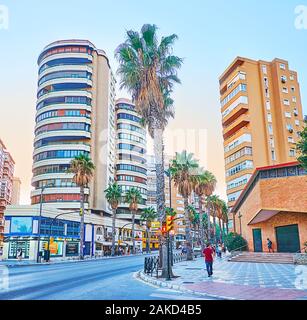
pixel 209 187
pixel 194 218
pixel 82 167
pixel 148 71
pixel 148 215
pixel 133 198
pixel 204 184
pixel 216 205
pixel 225 216
pixel 183 170
pixel 113 196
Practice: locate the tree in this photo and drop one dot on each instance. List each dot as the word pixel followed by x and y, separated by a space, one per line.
pixel 148 71
pixel 204 184
pixel 148 215
pixel 195 220
pixel 225 216
pixel 234 241
pixel 82 167
pixel 113 196
pixel 182 170
pixel 302 147
pixel 216 205
pixel 133 198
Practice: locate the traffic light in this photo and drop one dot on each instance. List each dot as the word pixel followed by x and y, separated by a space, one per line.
pixel 169 223
pixel 163 229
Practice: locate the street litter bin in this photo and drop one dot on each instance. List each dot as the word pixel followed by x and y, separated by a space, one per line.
pixel 46 255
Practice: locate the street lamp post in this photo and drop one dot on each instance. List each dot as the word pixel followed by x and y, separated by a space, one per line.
pixel 40 218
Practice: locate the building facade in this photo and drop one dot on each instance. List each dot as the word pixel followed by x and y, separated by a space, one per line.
pixel 131 168
pixel 274 205
pixel 16 191
pixel 75 114
pixel 261 116
pixel 63 233
pixel 6 185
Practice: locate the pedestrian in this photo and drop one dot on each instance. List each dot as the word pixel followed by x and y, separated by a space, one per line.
pixel 19 254
pixel 270 245
pixel 219 250
pixel 208 253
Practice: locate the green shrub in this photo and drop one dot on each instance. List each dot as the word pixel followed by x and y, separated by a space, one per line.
pixel 234 241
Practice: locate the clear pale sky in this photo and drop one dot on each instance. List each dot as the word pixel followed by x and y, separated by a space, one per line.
pixel 211 34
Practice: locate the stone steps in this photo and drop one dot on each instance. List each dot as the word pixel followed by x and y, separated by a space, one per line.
pixel 260 257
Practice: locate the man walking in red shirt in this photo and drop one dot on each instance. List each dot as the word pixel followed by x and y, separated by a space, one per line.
pixel 208 253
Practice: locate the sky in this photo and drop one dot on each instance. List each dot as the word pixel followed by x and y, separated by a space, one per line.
pixel 211 34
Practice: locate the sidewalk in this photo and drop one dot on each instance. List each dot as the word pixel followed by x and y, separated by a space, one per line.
pixel 27 263
pixel 238 280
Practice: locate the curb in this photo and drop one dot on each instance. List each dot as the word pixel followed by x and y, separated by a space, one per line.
pixel 140 275
pixel 16 265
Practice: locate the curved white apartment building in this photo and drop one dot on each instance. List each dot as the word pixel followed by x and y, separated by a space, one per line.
pixel 75 114
pixel 131 168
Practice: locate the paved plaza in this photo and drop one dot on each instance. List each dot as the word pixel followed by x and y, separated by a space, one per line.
pixel 241 280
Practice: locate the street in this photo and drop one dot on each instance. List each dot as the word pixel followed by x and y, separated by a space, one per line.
pixel 90 280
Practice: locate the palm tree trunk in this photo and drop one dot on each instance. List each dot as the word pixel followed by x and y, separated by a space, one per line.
pixel 82 223
pixel 208 217
pixel 148 239
pixel 113 233
pixel 221 231
pixel 201 231
pixel 133 236
pixel 227 231
pixel 214 226
pixel 187 230
pixel 159 164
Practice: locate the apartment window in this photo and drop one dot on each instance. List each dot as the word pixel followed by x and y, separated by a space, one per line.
pixel 264 69
pixel 289 128
pixel 297 122
pixel 291 77
pixel 292 89
pixel 292 153
pixel 285 90
pixel 287 114
pixel 268 105
pixel 272 144
pixel 269 117
pixel 283 79
pixel 293 99
pixel 267 93
pixel 282 66
pixel 295 112
pixel 286 102
pixel 270 127
pixel 290 139
pixel 273 155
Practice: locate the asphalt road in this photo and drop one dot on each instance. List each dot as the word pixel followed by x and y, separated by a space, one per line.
pixel 88 280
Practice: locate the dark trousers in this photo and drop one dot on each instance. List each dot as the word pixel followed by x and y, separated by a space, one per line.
pixel 209 266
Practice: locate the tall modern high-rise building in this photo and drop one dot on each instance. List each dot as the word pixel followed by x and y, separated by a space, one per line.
pixel 131 168
pixel 16 191
pixel 262 117
pixel 7 165
pixel 75 114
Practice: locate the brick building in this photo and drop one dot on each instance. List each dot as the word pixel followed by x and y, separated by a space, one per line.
pixel 273 205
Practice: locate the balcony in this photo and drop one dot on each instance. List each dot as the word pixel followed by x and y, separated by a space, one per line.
pixel 242 121
pixel 235 113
